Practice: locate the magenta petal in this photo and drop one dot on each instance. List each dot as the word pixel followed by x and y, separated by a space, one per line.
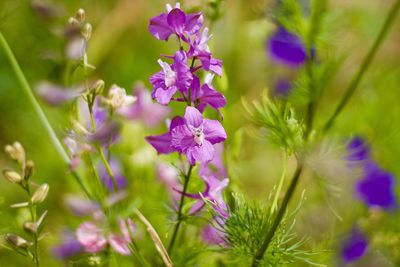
pixel 162 143
pixel 176 121
pixel 194 23
pixel 91 237
pixel 212 97
pixel 214 131
pixel 159 27
pixel 216 66
pixel 119 244
pixel 193 117
pixel 176 20
pixel 164 96
pixel 182 138
pixel 201 153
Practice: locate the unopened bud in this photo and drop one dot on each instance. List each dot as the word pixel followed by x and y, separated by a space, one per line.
pixel 17 241
pixel 40 195
pixel 12 176
pixel 87 31
pixel 80 15
pixel 98 87
pixel 73 22
pixel 29 169
pixel 30 227
pixel 16 152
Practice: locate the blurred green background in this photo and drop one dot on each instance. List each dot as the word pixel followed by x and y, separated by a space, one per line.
pixel 124 52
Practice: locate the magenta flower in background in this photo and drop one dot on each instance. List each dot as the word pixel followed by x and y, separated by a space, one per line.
pixel 216 166
pixel 151 114
pixel 212 236
pixel 377 187
pixel 56 95
pixel 358 150
pixel 354 246
pixel 196 136
pixel 199 49
pixel 175 21
pixel 168 175
pixel 171 79
pixel 282 88
pixel 286 48
pixel 81 206
pixel 95 239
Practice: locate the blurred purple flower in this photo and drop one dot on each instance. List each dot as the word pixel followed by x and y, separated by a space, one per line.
pixel 196 136
pixel 169 176
pixel 354 246
pixel 376 188
pixel 151 114
pixel 56 95
pixel 216 166
pixel 206 95
pixel 199 49
pixel 282 88
pixel 286 48
pixel 106 179
pixel 175 21
pixel 68 248
pixel 171 79
pixel 358 150
pixel 80 206
pixel 212 236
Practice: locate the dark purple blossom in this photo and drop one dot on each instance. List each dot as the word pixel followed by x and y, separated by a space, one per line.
pixel 286 48
pixel 171 79
pixel 354 246
pixel 282 88
pixel 175 21
pixel 377 187
pixel 205 95
pixel 151 114
pixel 68 248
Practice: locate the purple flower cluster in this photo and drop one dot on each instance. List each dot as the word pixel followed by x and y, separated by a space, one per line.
pixel 354 246
pixel 376 188
pixel 198 138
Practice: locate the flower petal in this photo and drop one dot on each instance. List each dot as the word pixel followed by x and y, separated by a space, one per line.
pixel 119 244
pixel 194 22
pixel 182 138
pixel 176 20
pixel 162 143
pixel 91 237
pixel 193 117
pixel 214 131
pixel 202 153
pixel 159 27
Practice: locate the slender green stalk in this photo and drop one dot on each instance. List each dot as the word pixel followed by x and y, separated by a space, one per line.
pixel 27 90
pixel 281 212
pixel 181 203
pixel 364 66
pixel 108 168
pixel 274 205
pixel 32 210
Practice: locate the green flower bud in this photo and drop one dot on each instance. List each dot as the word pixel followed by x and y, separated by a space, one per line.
pixel 17 241
pixel 29 169
pixel 40 195
pixel 98 87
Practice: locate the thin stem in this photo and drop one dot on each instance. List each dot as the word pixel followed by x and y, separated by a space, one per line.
pixel 180 215
pixel 364 66
pixel 108 168
pixel 289 193
pixel 274 205
pixel 27 90
pixel 32 210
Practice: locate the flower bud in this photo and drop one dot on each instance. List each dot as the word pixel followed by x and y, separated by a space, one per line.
pixel 30 227
pixel 12 176
pixel 17 241
pixel 86 31
pixel 80 15
pixel 40 195
pixel 98 87
pixel 29 169
pixel 16 152
pixel 73 22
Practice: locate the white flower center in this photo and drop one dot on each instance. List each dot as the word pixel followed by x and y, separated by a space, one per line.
pixel 198 135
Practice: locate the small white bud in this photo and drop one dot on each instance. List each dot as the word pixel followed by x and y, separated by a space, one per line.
pixel 29 169
pixel 40 195
pixel 17 241
pixel 12 176
pixel 86 31
pixel 80 15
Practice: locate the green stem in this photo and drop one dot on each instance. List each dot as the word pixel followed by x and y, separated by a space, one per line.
pixel 281 212
pixel 32 210
pixel 108 168
pixel 274 205
pixel 27 90
pixel 181 203
pixel 364 66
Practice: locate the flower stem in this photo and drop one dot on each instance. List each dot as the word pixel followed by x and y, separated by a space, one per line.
pixel 27 90
pixel 108 168
pixel 364 66
pixel 32 210
pixel 181 203
pixel 281 212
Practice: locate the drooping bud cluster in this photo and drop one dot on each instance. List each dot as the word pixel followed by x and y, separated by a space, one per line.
pixel 32 226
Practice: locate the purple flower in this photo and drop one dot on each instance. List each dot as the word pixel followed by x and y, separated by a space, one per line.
pixel 169 176
pixel 206 95
pixel 80 206
pixel 55 95
pixel 216 166
pixel 175 21
pixel 286 48
pixel 199 49
pixel 171 79
pixel 358 150
pixel 196 136
pixel 282 88
pixel 212 236
pixel 116 169
pixel 151 114
pixel 376 188
pixel 68 248
pixel 354 246
pixel 191 135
